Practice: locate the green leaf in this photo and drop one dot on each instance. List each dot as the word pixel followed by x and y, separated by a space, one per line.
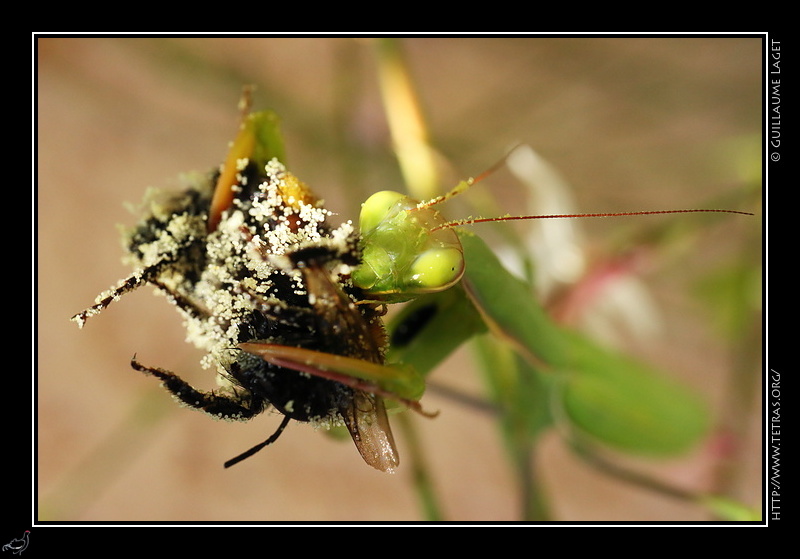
pixel 265 128
pixel 629 406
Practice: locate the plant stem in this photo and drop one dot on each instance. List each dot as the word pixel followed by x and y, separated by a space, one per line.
pixel 419 470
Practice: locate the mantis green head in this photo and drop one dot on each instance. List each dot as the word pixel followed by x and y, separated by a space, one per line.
pixel 407 249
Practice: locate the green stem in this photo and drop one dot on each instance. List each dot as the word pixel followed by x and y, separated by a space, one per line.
pixel 419 469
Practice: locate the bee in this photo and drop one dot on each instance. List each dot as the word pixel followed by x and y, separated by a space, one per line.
pixel 247 256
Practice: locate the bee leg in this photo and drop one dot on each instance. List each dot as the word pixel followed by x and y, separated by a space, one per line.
pixel 127 285
pixel 259 446
pixel 184 304
pixel 236 406
pixel 132 282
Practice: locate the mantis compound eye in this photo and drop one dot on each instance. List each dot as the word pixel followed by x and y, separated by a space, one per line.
pixel 437 268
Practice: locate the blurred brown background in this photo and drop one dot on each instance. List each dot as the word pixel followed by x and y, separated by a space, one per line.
pixel 631 123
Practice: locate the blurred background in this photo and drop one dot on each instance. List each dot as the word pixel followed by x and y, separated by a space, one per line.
pixel 629 124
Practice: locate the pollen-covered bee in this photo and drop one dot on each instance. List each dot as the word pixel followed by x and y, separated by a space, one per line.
pixel 263 283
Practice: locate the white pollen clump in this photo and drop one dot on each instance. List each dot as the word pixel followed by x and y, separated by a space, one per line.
pixel 242 256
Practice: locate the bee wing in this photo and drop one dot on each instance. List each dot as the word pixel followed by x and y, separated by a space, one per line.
pixel 369 426
pixel 365 417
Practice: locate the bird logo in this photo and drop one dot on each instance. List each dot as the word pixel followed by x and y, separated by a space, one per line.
pixel 18 545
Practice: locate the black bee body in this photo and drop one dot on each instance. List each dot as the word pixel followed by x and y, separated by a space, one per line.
pixel 272 271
